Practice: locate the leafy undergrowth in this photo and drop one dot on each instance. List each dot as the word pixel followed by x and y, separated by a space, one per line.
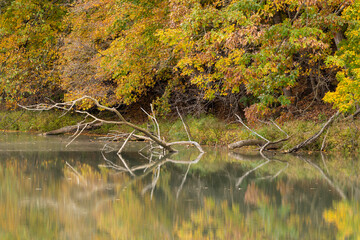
pixel 36 121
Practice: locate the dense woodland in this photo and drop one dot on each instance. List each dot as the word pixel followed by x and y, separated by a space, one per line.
pixel 256 57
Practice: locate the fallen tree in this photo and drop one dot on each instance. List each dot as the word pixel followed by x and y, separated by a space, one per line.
pixel 73 128
pixel 316 135
pixel 156 139
pixel 266 144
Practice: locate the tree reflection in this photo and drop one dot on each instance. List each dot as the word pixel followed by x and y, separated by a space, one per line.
pixel 174 197
pixel 345 216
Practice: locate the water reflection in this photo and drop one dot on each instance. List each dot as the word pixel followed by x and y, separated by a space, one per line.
pixel 63 194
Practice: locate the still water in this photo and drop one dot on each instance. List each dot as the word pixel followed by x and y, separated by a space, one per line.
pixel 50 191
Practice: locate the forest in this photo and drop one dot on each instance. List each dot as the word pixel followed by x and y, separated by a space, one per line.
pixel 180 80
pixel 257 58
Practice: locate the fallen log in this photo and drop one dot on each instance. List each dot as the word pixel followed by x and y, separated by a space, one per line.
pixel 73 128
pixel 67 106
pixel 253 142
pixel 245 143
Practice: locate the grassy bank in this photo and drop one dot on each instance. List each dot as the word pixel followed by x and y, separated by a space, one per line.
pixel 343 136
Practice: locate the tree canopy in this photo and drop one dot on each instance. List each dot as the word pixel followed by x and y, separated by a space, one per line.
pixel 194 53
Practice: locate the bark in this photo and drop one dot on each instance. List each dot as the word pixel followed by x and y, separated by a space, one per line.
pixel 244 143
pixel 72 128
pixel 67 106
pixel 252 142
pixel 338 37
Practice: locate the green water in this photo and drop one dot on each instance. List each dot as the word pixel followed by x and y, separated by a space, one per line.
pixel 50 191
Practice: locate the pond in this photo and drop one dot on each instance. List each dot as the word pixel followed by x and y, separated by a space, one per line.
pixel 50 191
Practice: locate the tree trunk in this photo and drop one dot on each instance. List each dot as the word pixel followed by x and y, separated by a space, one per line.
pixel 72 128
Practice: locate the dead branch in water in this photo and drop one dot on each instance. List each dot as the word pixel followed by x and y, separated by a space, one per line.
pixel 73 128
pixel 264 144
pixel 67 106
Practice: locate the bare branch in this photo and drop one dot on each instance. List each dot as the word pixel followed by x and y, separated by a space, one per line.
pixel 241 121
pixel 273 122
pixel 196 144
pixel 182 182
pixel 153 119
pixel 184 124
pixel 66 106
pixel 315 136
pixel 324 141
pixel 127 139
pixel 330 182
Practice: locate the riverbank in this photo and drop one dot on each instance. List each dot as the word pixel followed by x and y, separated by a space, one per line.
pixel 343 136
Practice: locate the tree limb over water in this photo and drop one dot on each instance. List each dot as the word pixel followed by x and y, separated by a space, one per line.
pixel 71 105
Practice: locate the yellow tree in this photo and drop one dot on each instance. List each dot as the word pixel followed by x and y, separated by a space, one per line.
pixel 29 32
pixel 347 95
pixel 90 32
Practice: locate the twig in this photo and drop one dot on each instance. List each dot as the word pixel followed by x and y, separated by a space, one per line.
pixel 353 116
pixel 112 165
pixel 280 171
pixel 323 160
pixel 76 136
pixel 153 119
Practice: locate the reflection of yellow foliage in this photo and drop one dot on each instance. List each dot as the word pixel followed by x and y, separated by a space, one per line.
pixel 346 219
pixel 214 221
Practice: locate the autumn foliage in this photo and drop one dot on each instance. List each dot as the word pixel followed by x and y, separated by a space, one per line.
pixel 198 54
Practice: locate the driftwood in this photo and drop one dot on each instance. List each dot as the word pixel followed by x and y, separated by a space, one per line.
pixel 73 128
pixel 245 143
pixel 67 106
pixel 315 136
pixel 266 144
pixel 254 142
